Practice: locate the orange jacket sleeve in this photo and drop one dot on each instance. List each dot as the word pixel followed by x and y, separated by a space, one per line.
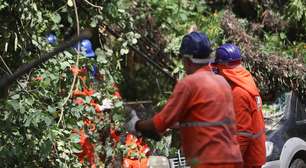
pixel 174 109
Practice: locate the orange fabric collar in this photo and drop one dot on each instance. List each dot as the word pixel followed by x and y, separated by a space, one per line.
pixel 239 76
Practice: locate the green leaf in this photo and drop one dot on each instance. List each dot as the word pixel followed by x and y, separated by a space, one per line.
pixel 48 120
pixel 53 61
pixel 51 109
pixel 117 117
pixel 75 138
pixel 80 123
pixel 64 65
pixel 46 148
pixel 71 61
pixel 60 143
pixel 56 18
pixel 89 109
pixel 119 104
pixel 45 83
pixel 142 155
pixel 14 104
pixel 68 54
pixel 134 41
pixel 101 56
pixel 70 3
pixel 27 122
pixel 109 151
pixel 124 51
pixel 282 36
pixel 94 22
pixel 75 150
pixel 87 99
pixel 134 155
pixel 16 96
pixel 6 115
pixel 53 77
pixel 3 4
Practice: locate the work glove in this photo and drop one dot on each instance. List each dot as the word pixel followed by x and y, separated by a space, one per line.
pixel 131 124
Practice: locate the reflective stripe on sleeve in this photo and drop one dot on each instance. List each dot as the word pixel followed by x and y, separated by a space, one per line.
pixel 226 121
pixel 251 135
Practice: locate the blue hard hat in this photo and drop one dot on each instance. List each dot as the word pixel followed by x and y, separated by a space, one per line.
pixel 86 44
pixel 196 44
pixel 51 38
pixel 228 53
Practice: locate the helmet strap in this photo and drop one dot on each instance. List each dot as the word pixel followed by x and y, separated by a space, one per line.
pixel 200 61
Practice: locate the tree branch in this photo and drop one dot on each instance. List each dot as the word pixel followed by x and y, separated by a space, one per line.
pixel 95 6
pixel 76 64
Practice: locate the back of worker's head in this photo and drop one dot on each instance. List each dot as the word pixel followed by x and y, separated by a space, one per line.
pixel 197 47
pixel 228 53
pixel 195 51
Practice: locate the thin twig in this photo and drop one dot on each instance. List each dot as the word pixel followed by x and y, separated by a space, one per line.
pixel 138 102
pixel 10 72
pixel 60 8
pixel 93 5
pixel 4 70
pixel 5 65
pixel 76 64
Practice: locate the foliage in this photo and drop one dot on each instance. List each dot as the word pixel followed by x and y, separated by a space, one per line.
pixel 32 132
pixel 278 43
pixel 164 25
pixel 273 73
pixel 282 42
pixel 296 11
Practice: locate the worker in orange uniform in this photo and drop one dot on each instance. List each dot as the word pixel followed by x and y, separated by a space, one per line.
pixel 202 105
pixel 247 105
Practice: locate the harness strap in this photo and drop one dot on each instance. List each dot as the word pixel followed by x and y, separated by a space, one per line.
pixel 226 121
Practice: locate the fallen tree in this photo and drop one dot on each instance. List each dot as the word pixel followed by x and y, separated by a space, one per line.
pixel 273 72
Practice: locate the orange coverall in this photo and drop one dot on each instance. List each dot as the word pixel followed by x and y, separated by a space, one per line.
pixel 202 104
pixel 249 117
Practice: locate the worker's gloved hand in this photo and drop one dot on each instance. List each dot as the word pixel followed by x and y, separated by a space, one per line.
pixel 131 124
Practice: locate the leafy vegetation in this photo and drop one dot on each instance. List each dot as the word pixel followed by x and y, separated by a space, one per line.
pixel 50 111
